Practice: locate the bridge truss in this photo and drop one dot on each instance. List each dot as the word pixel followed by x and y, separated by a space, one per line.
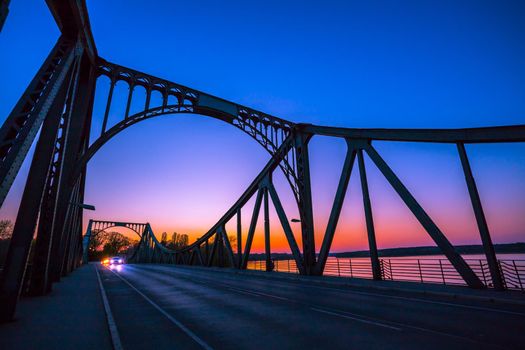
pixel 59 103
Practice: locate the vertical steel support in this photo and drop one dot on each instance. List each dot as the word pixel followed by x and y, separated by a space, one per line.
pixel 439 238
pixel 214 249
pixel 206 251
pixel 108 106
pixel 227 245
pixel 75 144
pixel 239 239
pixel 15 264
pixel 130 97
pixel 46 224
pixel 81 189
pixel 374 257
pixel 70 227
pixel 148 99
pixel 483 228
pixel 267 246
pixel 4 10
pixel 251 230
pixel 199 255
pixel 336 208
pixel 287 229
pixel 305 202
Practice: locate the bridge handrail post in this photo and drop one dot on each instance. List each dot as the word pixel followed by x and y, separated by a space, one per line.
pixel 517 274
pixel 442 273
pixel 483 271
pixel 419 267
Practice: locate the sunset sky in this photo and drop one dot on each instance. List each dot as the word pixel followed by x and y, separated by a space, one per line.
pixel 405 64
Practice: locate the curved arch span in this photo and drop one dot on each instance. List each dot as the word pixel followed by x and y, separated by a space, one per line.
pixel 145 115
pixel 287 166
pixel 134 230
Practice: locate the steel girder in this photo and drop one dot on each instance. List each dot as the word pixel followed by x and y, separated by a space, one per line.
pixel 21 126
pixel 54 226
pixel 267 130
pixel 4 10
pixel 263 186
pixel 59 86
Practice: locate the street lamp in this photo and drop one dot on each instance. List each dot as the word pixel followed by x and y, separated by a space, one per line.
pixel 84 206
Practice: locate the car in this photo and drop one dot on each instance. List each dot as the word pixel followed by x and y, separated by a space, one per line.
pixel 116 260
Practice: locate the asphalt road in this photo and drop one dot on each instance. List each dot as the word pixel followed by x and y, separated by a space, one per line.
pixel 166 307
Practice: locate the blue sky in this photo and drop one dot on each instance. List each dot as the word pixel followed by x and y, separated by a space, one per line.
pixel 432 64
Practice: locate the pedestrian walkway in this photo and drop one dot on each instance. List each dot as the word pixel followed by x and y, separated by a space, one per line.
pixel 70 317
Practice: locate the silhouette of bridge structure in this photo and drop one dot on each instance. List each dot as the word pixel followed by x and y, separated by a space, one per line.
pixel 59 103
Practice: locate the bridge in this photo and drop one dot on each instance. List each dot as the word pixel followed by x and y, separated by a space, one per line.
pixel 207 294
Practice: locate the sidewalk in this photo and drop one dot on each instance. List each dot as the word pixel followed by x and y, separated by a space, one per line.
pixel 72 316
pixel 439 290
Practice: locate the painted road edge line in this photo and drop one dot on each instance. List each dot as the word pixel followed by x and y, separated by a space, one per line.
pixel 113 331
pixel 356 319
pixel 168 316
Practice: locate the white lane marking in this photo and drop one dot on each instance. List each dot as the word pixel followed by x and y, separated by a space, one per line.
pixel 341 313
pixel 251 292
pixel 273 296
pixel 113 331
pixel 356 317
pixel 421 329
pixel 479 308
pixel 168 316
pixel 346 315
pixel 243 292
pixel 350 291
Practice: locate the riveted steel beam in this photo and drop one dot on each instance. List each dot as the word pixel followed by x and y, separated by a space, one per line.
pixel 435 233
pixel 336 208
pixel 483 228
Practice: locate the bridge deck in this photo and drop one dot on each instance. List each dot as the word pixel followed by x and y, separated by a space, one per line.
pixel 156 306
pixel 161 307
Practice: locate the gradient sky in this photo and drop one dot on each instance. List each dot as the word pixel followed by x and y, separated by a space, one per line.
pixel 431 64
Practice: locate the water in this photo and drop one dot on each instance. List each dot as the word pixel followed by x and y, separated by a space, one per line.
pixel 424 269
pixel 505 256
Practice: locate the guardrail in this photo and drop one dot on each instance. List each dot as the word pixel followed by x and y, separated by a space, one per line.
pixel 438 271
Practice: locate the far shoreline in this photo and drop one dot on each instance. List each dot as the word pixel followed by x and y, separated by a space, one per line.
pixel 471 249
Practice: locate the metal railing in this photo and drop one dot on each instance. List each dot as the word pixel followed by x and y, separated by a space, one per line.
pixel 438 271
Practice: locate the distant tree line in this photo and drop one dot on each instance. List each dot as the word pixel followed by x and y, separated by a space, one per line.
pixel 177 240
pixel 105 244
pixel 181 240
pixel 6 230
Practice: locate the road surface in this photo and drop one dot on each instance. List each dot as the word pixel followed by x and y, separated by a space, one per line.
pixel 160 307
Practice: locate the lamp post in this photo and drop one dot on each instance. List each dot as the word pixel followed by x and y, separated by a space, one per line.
pixel 83 206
